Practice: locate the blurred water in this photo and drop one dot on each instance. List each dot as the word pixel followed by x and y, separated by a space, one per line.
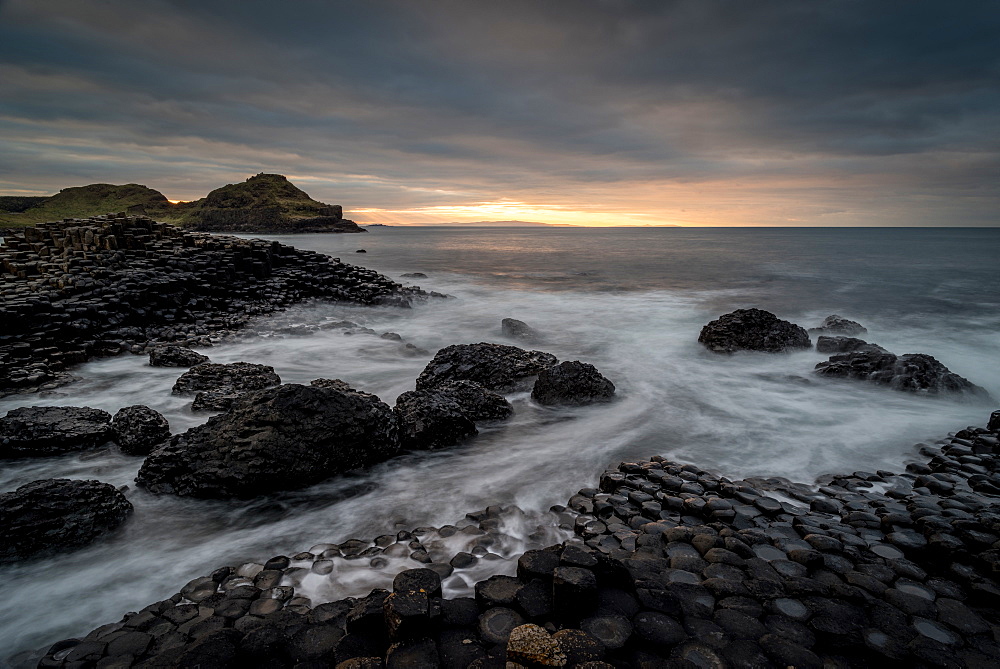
pixel 630 301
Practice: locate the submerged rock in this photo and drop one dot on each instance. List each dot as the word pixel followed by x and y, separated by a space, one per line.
pixel 52 430
pixel 826 344
pixel 477 402
pixel 752 330
pixel 279 438
pixel 430 419
pixel 494 366
pixel 175 356
pixel 43 517
pixel 138 429
pixel 913 372
pixel 234 377
pixel 515 329
pixel 572 382
pixel 838 325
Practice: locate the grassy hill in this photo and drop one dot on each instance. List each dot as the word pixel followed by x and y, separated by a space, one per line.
pixel 83 201
pixel 262 203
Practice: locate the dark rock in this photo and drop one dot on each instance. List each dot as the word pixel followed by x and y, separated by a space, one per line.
pixel 611 630
pixel 494 366
pixel 515 329
pixel 476 402
pixel 571 382
pixel 752 330
pixel 234 377
pixel 913 372
pixel 532 646
pixel 418 580
pixel 826 344
pixel 574 590
pixel 50 515
pixel 214 400
pixel 429 419
pixel 413 654
pixel 496 624
pixel 175 356
pixel 414 275
pixel 838 325
pixel 29 431
pixel 138 429
pixel 275 439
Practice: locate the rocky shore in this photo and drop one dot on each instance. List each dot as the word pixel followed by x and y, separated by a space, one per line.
pixel 85 288
pixel 667 565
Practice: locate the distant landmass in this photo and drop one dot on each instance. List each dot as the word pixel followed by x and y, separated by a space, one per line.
pixel 263 203
pixel 511 224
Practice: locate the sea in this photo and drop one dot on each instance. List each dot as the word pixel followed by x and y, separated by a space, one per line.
pixel 629 300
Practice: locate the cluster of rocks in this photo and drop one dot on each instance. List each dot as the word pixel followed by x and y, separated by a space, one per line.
pixel 758 330
pixel 81 288
pixel 670 566
pixel 281 437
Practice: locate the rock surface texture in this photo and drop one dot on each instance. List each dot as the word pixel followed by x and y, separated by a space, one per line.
pixel 476 402
pixel 138 429
pixel 572 383
pixel 279 438
pixel 175 356
pixel 429 419
pixel 838 325
pixel 752 330
pixel 515 329
pixel 84 288
pixel 670 565
pixel 494 366
pixel 825 344
pixel 219 386
pixel 912 372
pixel 52 515
pixel 30 431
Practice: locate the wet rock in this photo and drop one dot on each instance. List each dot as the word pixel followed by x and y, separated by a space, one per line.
pixel 175 356
pixel 752 330
pixel 515 329
pixel 274 439
pixel 138 429
pixel 234 377
pixel 913 372
pixel 414 275
pixel 496 624
pixel 31 431
pixel 214 400
pixel 429 419
pixel 494 366
pixel 838 325
pixel 50 515
pixel 826 344
pixel 476 402
pixel 571 383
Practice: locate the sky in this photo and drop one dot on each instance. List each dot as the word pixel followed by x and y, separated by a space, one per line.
pixel 587 112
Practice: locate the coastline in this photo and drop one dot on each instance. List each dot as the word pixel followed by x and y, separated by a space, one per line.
pixel 635 503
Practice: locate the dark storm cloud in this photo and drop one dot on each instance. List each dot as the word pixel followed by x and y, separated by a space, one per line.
pixel 404 104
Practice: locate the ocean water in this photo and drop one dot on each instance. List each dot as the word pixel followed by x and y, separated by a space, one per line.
pixel 631 301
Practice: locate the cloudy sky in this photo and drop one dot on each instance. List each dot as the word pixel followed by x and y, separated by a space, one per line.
pixel 596 112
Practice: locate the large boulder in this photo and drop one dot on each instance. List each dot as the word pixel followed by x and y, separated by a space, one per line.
pixel 175 356
pixel 826 344
pixel 36 430
pixel 477 402
pixel 913 372
pixel 752 330
pixel 279 438
pixel 138 429
pixel 235 377
pixel 838 325
pixel 430 419
pixel 573 383
pixel 494 366
pixel 51 515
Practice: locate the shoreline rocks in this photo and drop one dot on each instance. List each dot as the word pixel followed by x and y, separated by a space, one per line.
pixel 670 564
pixel 85 288
pixel 52 515
pixel 218 386
pixel 838 325
pixel 494 366
pixel 571 383
pixel 175 356
pixel 912 372
pixel 280 438
pixel 138 429
pixel 752 330
pixel 41 431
